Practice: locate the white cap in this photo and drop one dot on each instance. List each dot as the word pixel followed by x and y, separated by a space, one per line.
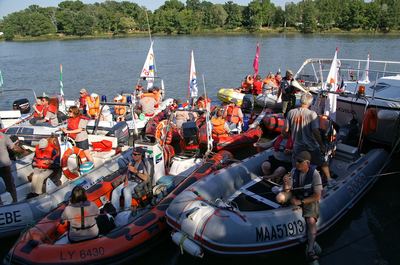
pixel 119 97
pixel 94 95
pixel 43 143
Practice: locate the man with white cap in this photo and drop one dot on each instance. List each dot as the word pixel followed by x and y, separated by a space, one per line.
pixel 45 155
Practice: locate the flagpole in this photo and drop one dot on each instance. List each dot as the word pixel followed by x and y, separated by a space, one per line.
pixel 190 69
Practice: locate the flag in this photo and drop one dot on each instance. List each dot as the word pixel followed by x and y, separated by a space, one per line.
pixel 1 79
pixel 255 62
pixel 193 90
pixel 364 77
pixel 61 82
pixel 331 85
pixel 148 70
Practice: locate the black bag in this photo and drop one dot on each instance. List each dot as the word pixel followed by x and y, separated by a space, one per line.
pixel 105 221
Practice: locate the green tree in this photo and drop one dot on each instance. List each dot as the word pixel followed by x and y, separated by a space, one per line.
pixel 308 16
pixel 292 15
pixel 234 12
pixel 253 15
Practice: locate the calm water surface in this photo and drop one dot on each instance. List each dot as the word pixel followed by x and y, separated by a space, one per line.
pixel 369 234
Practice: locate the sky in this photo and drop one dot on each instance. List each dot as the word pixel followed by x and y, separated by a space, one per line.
pixel 9 6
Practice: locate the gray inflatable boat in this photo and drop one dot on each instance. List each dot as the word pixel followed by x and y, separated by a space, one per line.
pixel 233 211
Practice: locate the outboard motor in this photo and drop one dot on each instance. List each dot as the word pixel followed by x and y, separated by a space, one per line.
pixel 22 105
pixel 190 136
pixel 121 132
pixel 248 103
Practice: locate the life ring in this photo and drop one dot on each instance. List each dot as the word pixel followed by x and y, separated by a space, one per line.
pixel 161 131
pixel 64 161
pixel 370 121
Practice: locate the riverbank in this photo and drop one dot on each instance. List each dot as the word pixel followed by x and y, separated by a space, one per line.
pixel 218 32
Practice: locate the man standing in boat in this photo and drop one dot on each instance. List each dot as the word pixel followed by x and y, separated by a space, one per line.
pixel 287 90
pixel 303 125
pixel 302 187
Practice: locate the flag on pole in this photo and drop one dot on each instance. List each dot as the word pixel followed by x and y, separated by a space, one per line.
pixel 193 90
pixel 1 79
pixel 364 77
pixel 331 86
pixel 148 70
pixel 61 82
pixel 255 62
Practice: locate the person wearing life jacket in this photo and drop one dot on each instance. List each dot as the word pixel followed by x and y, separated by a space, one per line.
pixel 287 91
pixel 219 126
pixel 280 162
pixel 257 86
pixel 38 108
pixel 270 84
pixel 93 105
pixel 43 165
pixel 278 78
pixel 138 179
pixel 233 115
pixel 148 104
pixel 157 95
pixel 83 94
pixel 120 110
pixel 303 187
pixel 181 116
pixel 202 102
pixel 247 84
pixel 81 215
pixel 49 117
pixel 76 129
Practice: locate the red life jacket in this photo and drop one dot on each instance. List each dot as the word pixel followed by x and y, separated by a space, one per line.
pixel 40 109
pixel 50 108
pixel 278 141
pixel 257 88
pixel 232 114
pixel 42 155
pixel 73 124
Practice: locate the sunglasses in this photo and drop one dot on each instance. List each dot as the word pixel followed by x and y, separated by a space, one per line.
pixel 136 154
pixel 300 161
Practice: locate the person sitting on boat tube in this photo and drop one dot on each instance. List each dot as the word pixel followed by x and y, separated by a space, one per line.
pixel 49 114
pixel 270 84
pixel 280 162
pixel 181 115
pixel 120 110
pixel 247 84
pixel 76 129
pixel 138 178
pixel 81 215
pixel 38 108
pixel 233 115
pixel 43 165
pixel 83 94
pixel 302 187
pixel 257 86
pixel 148 104
pixel 219 126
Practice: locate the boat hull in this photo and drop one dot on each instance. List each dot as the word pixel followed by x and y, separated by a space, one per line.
pixel 255 223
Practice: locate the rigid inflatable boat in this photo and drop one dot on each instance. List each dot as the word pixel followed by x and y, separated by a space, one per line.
pixel 44 243
pixel 233 211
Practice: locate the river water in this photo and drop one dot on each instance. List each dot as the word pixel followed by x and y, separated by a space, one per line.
pixel 367 235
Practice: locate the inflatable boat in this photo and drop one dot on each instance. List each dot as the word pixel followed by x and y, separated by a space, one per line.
pixel 233 211
pixel 45 243
pixel 229 95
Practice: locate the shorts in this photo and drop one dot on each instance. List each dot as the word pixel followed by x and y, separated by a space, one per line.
pixel 275 163
pixel 311 210
pixel 84 145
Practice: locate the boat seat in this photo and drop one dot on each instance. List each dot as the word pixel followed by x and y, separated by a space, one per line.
pixel 346 152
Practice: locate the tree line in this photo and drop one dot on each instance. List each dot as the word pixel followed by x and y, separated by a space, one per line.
pixel 175 17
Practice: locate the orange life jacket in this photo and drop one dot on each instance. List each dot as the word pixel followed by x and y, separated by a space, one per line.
pixel 257 87
pixel 50 108
pixel 232 114
pixel 202 104
pixel 370 121
pixel 73 124
pixel 40 109
pixel 94 106
pixel 42 155
pixel 218 127
pixel 156 97
pixel 119 109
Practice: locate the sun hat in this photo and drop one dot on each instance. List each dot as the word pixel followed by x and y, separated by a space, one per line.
pixel 43 143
